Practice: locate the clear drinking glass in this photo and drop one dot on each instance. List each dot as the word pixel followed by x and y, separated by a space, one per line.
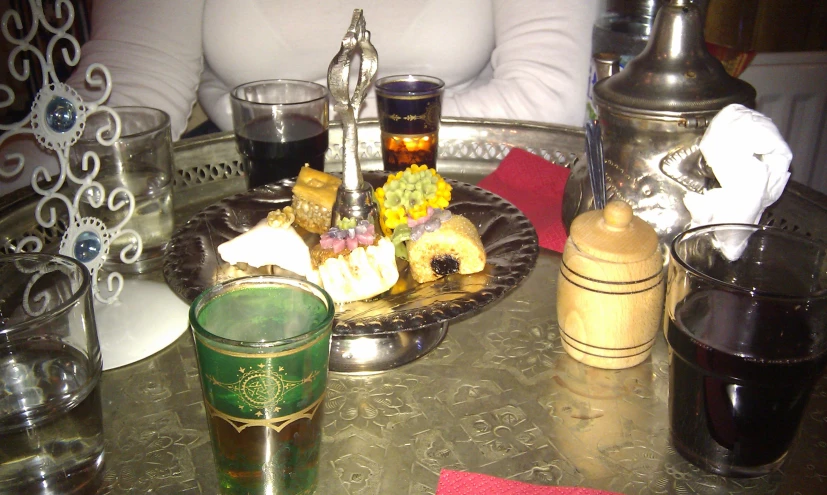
pixel 51 426
pixel 410 108
pixel 263 345
pixel 280 125
pixel 141 161
pixel 749 342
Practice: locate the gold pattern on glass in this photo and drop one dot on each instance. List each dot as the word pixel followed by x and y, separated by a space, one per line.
pixel 277 424
pixel 252 352
pixel 430 117
pixel 261 388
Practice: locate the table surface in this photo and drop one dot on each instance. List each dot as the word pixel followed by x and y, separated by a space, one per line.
pixel 498 396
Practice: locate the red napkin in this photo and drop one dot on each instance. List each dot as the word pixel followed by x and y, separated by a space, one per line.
pixel 535 186
pixel 462 483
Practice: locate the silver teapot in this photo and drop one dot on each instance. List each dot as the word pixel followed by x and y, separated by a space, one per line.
pixel 652 115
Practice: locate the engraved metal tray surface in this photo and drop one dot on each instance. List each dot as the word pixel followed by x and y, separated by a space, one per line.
pixel 396 327
pixel 497 396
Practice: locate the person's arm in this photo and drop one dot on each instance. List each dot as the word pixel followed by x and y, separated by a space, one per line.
pixel 540 64
pixel 153 50
pixel 215 100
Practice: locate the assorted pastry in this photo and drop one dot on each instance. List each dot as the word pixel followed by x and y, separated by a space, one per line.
pixel 352 260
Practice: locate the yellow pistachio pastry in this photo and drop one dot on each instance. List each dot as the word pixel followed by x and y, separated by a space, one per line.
pixel 409 193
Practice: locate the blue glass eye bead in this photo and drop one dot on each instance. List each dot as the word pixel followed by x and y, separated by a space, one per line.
pixel 60 114
pixel 87 246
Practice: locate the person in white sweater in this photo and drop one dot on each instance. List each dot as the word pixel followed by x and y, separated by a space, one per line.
pixel 515 59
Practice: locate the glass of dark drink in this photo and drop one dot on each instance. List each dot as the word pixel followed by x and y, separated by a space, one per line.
pixel 280 125
pixel 262 345
pixel 409 109
pixel 748 336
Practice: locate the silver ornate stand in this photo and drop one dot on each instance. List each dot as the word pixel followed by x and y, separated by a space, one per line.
pixel 354 198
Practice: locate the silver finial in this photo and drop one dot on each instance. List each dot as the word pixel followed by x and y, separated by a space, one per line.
pixel 355 197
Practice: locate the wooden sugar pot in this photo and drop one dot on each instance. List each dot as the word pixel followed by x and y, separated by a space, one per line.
pixel 610 291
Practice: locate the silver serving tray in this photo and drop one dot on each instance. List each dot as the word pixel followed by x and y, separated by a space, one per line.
pixel 563 423
pixel 208 168
pixel 397 327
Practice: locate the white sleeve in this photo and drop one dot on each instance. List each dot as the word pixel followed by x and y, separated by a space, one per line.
pixel 215 100
pixel 152 49
pixel 540 64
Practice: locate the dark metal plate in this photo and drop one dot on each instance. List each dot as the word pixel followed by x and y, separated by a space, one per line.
pixel 192 264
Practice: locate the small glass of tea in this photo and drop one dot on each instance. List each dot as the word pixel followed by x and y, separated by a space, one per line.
pixel 262 345
pixel 409 107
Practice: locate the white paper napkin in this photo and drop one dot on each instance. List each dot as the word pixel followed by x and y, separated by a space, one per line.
pixel 751 162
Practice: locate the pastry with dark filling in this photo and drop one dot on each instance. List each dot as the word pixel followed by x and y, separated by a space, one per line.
pixel 455 247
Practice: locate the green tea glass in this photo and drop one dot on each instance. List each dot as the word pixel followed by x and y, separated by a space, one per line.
pixel 263 344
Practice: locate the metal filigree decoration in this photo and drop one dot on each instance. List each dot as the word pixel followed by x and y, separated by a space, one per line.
pixel 36 305
pixel 57 120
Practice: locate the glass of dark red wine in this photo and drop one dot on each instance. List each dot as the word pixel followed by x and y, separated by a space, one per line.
pixel 280 125
pixel 748 339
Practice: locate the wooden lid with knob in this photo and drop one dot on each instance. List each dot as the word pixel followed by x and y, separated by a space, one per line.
pixel 614 234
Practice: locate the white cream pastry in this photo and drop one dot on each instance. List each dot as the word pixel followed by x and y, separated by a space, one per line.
pixel 273 241
pixel 365 272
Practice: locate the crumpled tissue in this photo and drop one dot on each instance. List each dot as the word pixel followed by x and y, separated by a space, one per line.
pixel 751 162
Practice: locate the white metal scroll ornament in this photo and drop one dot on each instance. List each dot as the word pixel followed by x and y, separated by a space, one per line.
pixel 56 120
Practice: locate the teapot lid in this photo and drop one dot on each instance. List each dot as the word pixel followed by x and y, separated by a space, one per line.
pixel 674 73
pixel 614 234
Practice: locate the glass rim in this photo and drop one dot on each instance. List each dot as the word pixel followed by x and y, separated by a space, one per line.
pixel 439 84
pixel 271 280
pixel 298 82
pixel 82 291
pixel 165 122
pixel 767 229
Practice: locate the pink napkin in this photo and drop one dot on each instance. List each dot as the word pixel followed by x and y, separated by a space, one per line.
pixel 535 186
pixel 463 483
